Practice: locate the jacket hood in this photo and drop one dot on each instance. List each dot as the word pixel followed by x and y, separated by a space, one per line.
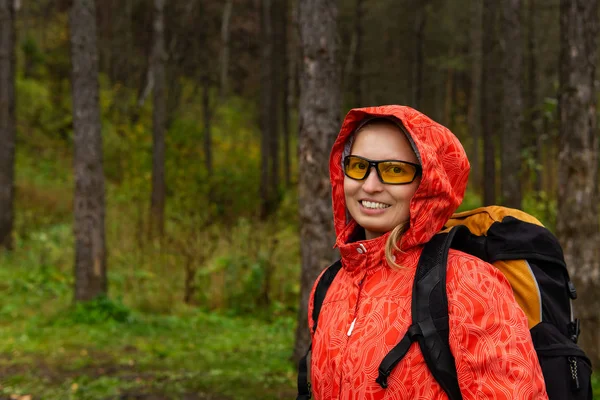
pixel 443 181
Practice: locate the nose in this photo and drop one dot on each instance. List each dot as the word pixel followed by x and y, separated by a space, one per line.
pixel 372 184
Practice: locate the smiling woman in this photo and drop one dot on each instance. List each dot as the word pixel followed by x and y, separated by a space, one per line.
pixel 375 205
pixel 396 178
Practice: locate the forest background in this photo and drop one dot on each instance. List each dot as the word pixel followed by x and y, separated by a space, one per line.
pixel 203 172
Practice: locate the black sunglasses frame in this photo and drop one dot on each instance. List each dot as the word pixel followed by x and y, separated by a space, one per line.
pixel 375 164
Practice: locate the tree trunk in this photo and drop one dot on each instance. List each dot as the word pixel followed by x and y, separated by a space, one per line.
pixel 533 135
pixel 287 103
pixel 474 112
pixel 320 103
pixel 449 90
pixel 159 123
pixel 488 102
pixel 577 223
pixel 89 208
pixel 7 121
pixel 267 107
pixel 265 92
pixel 419 30
pixel 225 48
pixel 352 78
pixel 277 66
pixel 207 116
pixel 512 104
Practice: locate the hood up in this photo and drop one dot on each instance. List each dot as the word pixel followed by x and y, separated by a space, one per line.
pixel 443 182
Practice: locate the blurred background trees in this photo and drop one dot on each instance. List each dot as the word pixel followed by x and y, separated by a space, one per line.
pixel 214 122
pixel 7 121
pixel 88 198
pixel 578 226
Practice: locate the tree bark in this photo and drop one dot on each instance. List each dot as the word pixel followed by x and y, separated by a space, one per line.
pixel 89 207
pixel 266 77
pixel 488 102
pixel 352 78
pixel 7 121
pixel 577 222
pixel 269 114
pixel 277 65
pixel 225 48
pixel 474 112
pixel 419 30
pixel 512 104
pixel 159 123
pixel 207 116
pixel 534 136
pixel 320 103
pixel 286 83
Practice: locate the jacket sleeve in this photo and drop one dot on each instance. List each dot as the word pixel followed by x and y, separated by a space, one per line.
pixel 489 335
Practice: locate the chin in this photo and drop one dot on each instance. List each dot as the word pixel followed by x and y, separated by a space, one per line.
pixel 376 231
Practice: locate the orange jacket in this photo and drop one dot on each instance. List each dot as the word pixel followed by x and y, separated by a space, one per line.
pixel 367 309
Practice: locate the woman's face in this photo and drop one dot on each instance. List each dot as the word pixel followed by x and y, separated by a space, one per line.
pixel 376 206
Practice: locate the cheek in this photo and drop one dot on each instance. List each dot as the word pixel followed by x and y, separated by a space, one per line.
pixel 350 187
pixel 350 190
pixel 404 194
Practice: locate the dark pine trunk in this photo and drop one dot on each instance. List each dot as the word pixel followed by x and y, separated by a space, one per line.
pixel 534 136
pixel 577 220
pixel 285 82
pixel 89 208
pixel 419 64
pixel 512 104
pixel 159 124
pixel 225 33
pixel 266 107
pixel 320 103
pixel 207 117
pixel 488 101
pixel 7 121
pixel 474 112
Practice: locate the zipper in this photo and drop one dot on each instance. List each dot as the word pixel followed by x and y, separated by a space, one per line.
pixel 575 385
pixel 352 325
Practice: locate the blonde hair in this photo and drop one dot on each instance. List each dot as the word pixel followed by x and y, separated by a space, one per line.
pixel 391 245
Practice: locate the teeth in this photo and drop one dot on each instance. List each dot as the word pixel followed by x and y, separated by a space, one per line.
pixel 372 204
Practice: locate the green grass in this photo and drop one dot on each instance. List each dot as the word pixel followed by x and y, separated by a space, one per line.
pixel 54 357
pixel 50 349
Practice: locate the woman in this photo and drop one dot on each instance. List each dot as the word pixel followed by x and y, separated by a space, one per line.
pixel 397 177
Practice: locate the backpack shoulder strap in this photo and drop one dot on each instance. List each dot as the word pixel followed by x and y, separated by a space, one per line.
pixel 327 277
pixel 430 317
pixel 321 290
pixel 430 311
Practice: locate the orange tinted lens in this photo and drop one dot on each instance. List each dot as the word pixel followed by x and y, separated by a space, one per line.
pixel 396 172
pixel 356 168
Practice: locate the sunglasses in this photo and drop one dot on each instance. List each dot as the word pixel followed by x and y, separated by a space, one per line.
pixel 393 172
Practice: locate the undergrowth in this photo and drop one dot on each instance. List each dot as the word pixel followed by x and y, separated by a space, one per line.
pixel 53 349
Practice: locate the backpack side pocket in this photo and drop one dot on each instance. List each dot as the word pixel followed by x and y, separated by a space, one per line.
pixel 567 370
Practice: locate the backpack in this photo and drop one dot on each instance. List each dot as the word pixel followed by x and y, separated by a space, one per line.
pixel 531 259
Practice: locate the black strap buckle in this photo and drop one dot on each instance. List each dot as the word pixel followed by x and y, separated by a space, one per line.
pixel 575 329
pixel 382 378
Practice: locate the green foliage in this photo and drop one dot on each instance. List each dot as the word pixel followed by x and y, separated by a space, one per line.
pixel 97 350
pixel 596 386
pixel 470 202
pixel 99 310
pixel 541 206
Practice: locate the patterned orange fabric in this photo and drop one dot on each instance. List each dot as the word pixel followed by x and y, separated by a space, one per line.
pixel 367 309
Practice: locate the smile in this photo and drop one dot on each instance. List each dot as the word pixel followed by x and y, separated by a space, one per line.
pixel 373 205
